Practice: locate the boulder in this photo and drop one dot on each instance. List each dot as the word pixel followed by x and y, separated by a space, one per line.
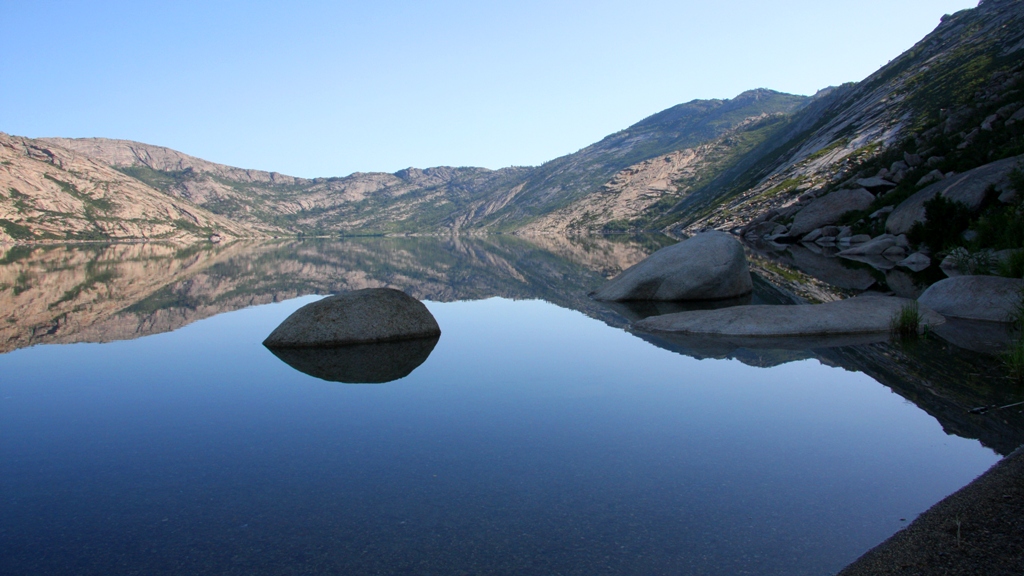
pixel 708 266
pixel 990 298
pixel 933 176
pixel 812 235
pixel 969 188
pixel 873 246
pixel 912 160
pixel 875 185
pixel 828 209
pixel 895 253
pixel 884 211
pixel 865 314
pixel 359 317
pixel 916 262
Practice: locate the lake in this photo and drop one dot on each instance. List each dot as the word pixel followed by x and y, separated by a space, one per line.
pixel 144 429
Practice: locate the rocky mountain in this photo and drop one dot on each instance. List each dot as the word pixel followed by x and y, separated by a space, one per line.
pixel 436 199
pixel 950 104
pixel 48 192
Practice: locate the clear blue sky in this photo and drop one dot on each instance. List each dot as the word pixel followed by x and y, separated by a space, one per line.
pixel 322 88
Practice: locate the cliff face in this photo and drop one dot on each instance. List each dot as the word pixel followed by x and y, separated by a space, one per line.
pixel 48 192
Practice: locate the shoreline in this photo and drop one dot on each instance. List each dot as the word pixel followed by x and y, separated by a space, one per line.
pixel 977 530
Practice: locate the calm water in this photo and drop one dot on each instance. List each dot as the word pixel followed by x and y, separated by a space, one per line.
pixel 533 440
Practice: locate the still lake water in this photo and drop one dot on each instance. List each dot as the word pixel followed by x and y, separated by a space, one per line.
pixel 534 439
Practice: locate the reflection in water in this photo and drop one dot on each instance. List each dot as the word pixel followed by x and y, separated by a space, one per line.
pixel 101 293
pixel 360 363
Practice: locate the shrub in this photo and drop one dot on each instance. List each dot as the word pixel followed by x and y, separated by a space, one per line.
pixel 905 324
pixel 945 222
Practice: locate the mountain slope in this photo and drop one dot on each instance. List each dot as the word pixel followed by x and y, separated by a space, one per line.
pixel 947 100
pixel 50 193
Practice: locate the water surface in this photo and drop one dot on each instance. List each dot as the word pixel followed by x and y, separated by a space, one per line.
pixel 534 439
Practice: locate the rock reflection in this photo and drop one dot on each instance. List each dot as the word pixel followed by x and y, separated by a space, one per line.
pixel 360 363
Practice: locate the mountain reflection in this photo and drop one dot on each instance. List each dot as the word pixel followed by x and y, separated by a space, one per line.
pixel 101 293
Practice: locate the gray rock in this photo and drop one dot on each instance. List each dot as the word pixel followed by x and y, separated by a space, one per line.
pixel 969 188
pixel 935 161
pixel 779 230
pixel 828 209
pixel 860 238
pixel 359 317
pixel 866 314
pixel 895 253
pixel 832 231
pixel 898 166
pixel 1017 117
pixel 831 270
pixel 912 160
pixel 760 230
pixel 708 266
pixel 884 211
pixel 989 298
pixel 916 262
pixel 933 176
pixel 844 232
pixel 986 125
pixel 902 240
pixel 872 246
pixel 812 235
pixel 875 185
pixel 902 284
pixel 825 241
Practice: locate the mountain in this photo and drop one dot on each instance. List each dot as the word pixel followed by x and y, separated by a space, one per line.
pixel 435 199
pixel 946 105
pixel 949 104
pixel 51 193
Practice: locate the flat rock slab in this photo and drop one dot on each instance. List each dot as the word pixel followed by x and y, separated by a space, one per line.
pixel 990 298
pixel 359 317
pixel 969 188
pixel 863 315
pixel 708 266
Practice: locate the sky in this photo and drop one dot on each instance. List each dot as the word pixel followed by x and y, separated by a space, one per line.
pixel 327 88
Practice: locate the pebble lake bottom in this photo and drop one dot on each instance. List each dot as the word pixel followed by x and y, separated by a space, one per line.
pixel 532 440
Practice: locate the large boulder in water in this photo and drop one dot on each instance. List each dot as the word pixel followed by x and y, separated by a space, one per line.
pixel 708 266
pixel 359 363
pixel 989 298
pixel 359 317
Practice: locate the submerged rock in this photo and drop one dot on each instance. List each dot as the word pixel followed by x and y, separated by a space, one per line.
pixel 862 315
pixel 359 317
pixel 990 298
pixel 708 266
pixel 871 247
pixel 917 261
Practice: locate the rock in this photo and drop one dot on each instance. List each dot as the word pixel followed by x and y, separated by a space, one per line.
pixel 760 230
pixel 812 235
pixel 216 238
pixel 872 246
pixel 360 317
pixel 895 253
pixel 969 188
pixel 933 176
pixel 832 231
pixel 902 240
pixel 902 284
pixel 935 161
pixel 898 176
pixel 986 125
pixel 825 241
pixel 885 211
pixel 1009 196
pixel 360 363
pixel 860 238
pixel 779 230
pixel 912 160
pixel 865 314
pixel 844 232
pixel 1007 111
pixel 916 262
pixel 828 209
pixel 831 270
pixel 1017 117
pixel 708 266
pixel 875 185
pixel 898 166
pixel 989 298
